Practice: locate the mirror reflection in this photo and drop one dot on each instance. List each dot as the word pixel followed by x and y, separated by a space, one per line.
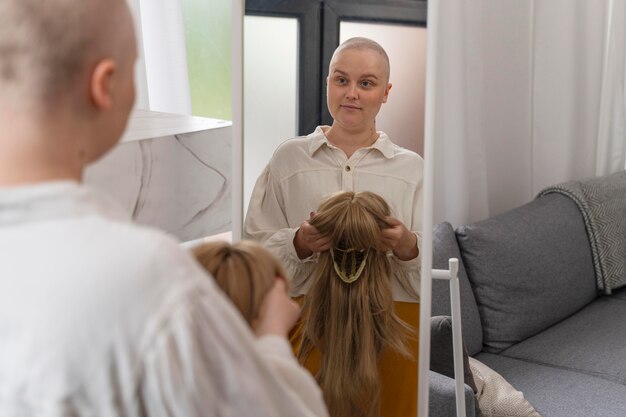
pixel 359 287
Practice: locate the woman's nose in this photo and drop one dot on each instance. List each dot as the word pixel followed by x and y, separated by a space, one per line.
pixel 352 92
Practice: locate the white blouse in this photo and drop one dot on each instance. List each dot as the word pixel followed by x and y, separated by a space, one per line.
pixel 100 317
pixel 304 170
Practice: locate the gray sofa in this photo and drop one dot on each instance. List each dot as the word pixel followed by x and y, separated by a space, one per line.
pixel 532 311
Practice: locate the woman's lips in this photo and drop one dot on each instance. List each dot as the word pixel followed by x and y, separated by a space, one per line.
pixel 350 107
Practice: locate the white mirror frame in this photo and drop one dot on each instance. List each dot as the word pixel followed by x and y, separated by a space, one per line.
pixel 238 11
pixel 238 8
pixel 427 220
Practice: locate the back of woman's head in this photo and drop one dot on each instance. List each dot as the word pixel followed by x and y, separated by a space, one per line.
pixel 46 47
pixel 245 271
pixel 348 311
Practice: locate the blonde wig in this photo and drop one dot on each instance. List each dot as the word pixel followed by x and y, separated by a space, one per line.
pixel 245 271
pixel 351 321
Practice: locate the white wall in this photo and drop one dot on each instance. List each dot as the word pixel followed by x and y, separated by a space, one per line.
pixel 402 117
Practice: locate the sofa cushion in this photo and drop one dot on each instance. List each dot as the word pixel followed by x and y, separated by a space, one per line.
pixel 592 341
pixel 529 268
pixel 556 392
pixel 496 397
pixel 444 248
pixel 442 396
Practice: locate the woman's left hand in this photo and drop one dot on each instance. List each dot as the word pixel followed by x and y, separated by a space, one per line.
pixel 399 239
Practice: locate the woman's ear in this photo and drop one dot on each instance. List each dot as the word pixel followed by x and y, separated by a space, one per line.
pixel 387 89
pixel 101 84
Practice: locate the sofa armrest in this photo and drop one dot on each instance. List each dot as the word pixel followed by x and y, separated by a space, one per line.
pixel 442 401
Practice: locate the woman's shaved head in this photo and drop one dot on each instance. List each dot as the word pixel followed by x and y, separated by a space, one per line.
pixel 364 43
pixel 46 47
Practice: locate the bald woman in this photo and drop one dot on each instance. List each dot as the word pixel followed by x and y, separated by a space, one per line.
pixel 100 317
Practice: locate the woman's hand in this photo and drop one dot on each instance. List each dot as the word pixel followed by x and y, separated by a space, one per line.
pixel 399 239
pixel 309 240
pixel 278 312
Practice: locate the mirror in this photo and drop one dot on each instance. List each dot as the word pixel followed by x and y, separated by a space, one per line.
pixel 286 62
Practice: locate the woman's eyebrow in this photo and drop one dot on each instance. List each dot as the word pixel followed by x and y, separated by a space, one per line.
pixel 340 72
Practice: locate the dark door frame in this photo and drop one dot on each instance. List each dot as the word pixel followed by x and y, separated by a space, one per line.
pixel 319 36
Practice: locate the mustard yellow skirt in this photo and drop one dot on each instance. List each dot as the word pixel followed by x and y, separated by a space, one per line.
pixel 398 374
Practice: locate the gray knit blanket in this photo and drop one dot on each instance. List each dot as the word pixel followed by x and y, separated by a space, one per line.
pixel 602 202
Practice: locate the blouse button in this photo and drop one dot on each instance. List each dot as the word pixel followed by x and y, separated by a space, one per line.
pixel 348 168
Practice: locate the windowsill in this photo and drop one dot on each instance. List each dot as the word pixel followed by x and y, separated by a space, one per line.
pixel 148 124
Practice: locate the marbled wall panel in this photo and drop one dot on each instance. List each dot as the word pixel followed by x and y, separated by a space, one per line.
pixel 181 183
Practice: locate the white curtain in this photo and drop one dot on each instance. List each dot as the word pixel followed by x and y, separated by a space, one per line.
pixel 164 55
pixel 142 100
pixel 529 94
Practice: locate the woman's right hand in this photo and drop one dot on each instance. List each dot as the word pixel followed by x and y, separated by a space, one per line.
pixel 278 312
pixel 309 240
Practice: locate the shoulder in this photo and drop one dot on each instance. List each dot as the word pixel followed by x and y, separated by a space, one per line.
pixel 398 153
pixel 131 259
pixel 287 158
pixel 122 234
pixel 300 145
pixel 293 147
pixel 152 246
pixel 407 156
pixel 407 153
pixel 295 153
